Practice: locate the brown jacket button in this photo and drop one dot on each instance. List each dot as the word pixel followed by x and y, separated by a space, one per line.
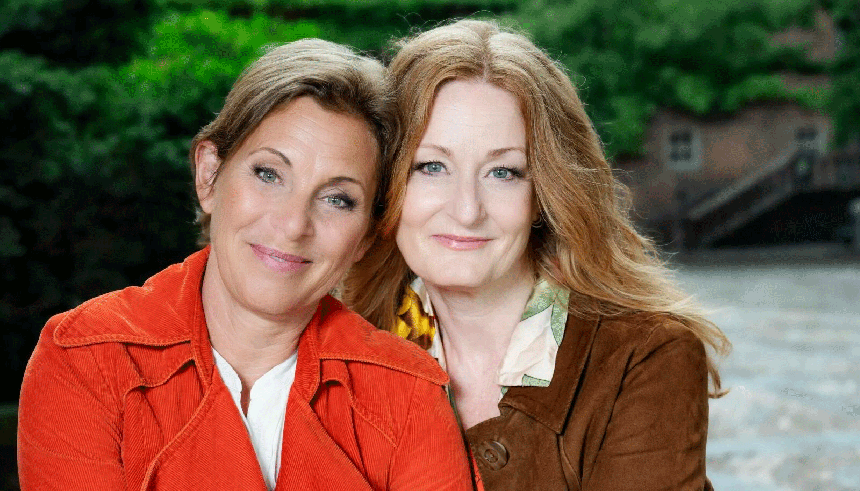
pixel 494 454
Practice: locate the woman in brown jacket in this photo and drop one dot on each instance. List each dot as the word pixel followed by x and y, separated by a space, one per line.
pixel 506 251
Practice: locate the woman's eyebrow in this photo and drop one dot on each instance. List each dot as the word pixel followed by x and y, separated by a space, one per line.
pixel 340 179
pixel 500 151
pixel 491 154
pixel 277 153
pixel 440 148
pixel 330 182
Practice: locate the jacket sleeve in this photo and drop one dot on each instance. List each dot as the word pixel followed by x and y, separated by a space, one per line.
pixel 656 435
pixel 68 422
pixel 430 453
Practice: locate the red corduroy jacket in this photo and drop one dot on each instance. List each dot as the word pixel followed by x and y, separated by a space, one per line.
pixel 121 393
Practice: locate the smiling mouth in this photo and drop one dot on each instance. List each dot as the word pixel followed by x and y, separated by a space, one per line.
pixel 461 243
pixel 279 261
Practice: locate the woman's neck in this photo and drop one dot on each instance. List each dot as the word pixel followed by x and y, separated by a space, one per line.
pixel 481 320
pixel 252 344
pixel 476 328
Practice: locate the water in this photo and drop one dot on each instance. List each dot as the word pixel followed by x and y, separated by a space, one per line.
pixel 792 418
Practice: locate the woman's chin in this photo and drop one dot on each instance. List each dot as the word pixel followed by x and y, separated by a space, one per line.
pixel 456 282
pixel 280 308
pixel 277 299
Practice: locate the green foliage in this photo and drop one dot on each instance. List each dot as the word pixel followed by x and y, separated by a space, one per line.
pixel 844 104
pixel 192 61
pixel 74 32
pixel 206 45
pixel 95 196
pixel 700 56
pixel 368 25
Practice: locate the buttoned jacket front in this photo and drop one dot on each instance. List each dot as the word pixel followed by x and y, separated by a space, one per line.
pixel 122 393
pixel 626 410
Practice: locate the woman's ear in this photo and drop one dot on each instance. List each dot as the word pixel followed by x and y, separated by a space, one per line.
pixel 369 239
pixel 206 164
pixel 537 214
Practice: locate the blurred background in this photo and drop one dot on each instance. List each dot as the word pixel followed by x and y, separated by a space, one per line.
pixel 734 122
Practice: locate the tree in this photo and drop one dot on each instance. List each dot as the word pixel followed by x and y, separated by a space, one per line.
pixel 96 194
pixel 700 56
pixel 845 102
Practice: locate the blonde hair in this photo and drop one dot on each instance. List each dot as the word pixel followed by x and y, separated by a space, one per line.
pixel 335 76
pixel 586 243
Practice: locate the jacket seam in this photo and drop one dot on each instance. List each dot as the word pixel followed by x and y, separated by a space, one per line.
pixel 650 352
pixel 370 418
pixel 409 415
pixel 80 341
pixel 105 388
pixel 118 402
pixel 566 461
pixel 382 362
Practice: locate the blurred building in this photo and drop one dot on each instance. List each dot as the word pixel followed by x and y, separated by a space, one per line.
pixel 765 174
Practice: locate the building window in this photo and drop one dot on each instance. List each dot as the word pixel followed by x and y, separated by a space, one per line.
pixel 806 138
pixel 681 146
pixel 683 150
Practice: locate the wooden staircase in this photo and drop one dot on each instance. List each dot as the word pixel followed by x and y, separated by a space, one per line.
pixel 794 171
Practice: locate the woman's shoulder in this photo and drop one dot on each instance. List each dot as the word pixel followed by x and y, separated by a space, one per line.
pixel 345 335
pixel 158 313
pixel 644 333
pixel 387 378
pixel 92 340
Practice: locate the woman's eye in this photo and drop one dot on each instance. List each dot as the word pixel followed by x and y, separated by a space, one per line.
pixel 340 201
pixel 501 173
pixel 505 173
pixel 266 174
pixel 430 167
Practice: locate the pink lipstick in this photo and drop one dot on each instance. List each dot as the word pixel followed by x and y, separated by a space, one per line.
pixel 461 243
pixel 279 261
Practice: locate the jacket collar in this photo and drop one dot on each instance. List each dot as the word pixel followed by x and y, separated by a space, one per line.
pixel 337 333
pixel 162 312
pixel 551 405
pixel 168 311
pixel 161 323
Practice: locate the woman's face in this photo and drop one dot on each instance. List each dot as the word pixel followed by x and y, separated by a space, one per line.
pixel 469 201
pixel 290 209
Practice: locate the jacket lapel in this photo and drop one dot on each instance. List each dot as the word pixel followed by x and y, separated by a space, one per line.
pixel 310 458
pixel 197 457
pixel 551 405
pixel 213 451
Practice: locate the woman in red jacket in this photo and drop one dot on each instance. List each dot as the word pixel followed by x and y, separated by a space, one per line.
pixel 236 369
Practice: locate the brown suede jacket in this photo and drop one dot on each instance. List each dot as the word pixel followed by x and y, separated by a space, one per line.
pixel 627 409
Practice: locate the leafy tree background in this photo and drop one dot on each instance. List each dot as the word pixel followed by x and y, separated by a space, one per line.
pixel 100 100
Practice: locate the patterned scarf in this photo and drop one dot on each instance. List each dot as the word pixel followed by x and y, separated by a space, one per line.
pixel 413 323
pixel 416 325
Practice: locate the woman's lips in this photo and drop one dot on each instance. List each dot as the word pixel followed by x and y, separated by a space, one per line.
pixel 461 243
pixel 279 261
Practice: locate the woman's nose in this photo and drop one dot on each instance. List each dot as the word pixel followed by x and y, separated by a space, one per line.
pixel 465 204
pixel 293 219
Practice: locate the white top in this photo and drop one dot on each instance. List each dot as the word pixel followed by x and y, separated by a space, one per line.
pixel 266 410
pixel 530 358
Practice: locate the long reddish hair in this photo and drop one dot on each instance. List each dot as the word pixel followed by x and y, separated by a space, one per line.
pixel 587 243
